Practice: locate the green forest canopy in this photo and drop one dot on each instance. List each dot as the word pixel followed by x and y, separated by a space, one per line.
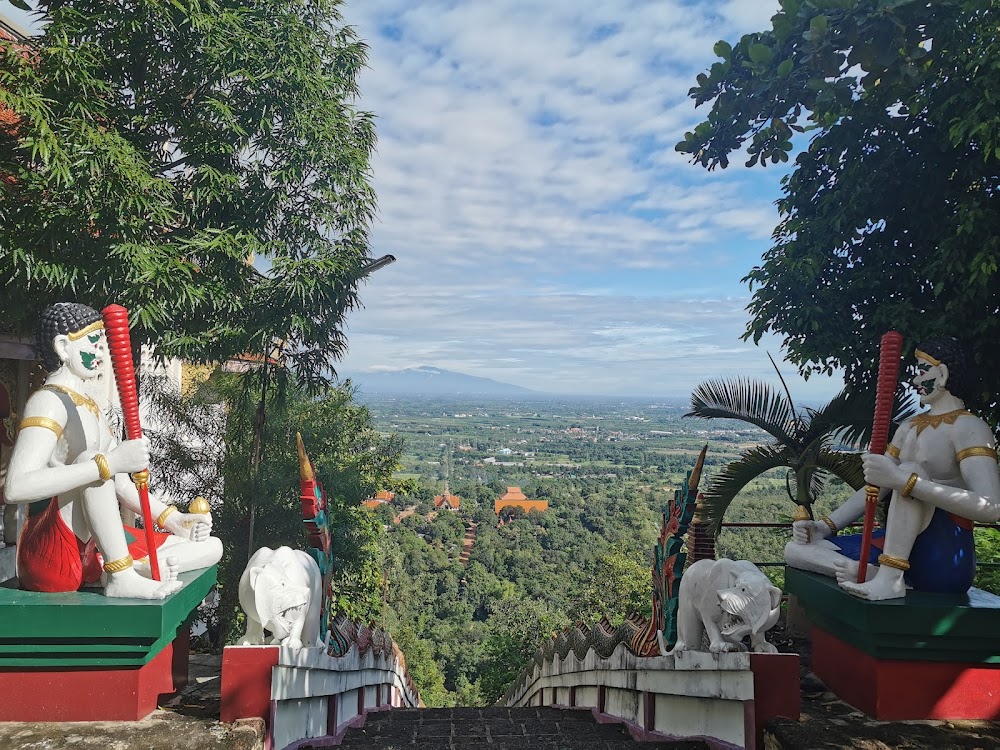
pixel 161 145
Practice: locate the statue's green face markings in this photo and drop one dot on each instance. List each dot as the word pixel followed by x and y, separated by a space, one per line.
pixel 85 356
pixel 926 380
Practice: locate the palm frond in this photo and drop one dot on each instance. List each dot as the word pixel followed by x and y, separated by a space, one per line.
pixel 848 415
pixel 749 401
pixel 817 481
pixel 843 464
pixel 726 485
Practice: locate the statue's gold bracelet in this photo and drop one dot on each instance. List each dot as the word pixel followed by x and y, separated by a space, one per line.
pixel 910 484
pixel 831 524
pixel 102 466
pixel 161 519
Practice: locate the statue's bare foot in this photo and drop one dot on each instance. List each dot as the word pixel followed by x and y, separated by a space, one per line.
pixel 878 589
pixel 170 568
pixel 128 584
pixel 847 571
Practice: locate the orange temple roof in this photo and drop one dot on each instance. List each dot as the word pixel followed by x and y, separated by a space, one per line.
pixel 381 497
pixel 513 497
pixel 452 501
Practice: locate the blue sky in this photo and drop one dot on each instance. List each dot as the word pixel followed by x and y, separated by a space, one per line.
pixel 546 232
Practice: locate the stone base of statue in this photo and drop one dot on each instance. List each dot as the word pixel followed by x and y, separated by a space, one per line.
pixel 926 656
pixel 82 656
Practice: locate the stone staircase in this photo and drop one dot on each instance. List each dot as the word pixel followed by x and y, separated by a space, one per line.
pixel 467 543
pixel 501 728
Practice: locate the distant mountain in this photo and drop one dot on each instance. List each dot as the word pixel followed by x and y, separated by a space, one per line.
pixel 431 381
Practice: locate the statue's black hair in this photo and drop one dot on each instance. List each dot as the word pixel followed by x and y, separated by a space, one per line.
pixel 58 320
pixel 951 351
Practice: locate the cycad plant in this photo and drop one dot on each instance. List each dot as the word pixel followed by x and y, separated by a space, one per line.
pixel 807 442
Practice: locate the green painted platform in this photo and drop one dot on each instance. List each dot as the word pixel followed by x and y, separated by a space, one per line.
pixel 920 627
pixel 86 628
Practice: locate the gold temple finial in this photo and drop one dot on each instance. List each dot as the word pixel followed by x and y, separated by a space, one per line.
pixel 305 468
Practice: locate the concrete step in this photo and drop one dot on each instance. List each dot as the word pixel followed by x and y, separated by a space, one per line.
pixel 500 728
pixel 526 743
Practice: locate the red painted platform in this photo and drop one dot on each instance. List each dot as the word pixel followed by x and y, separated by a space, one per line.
pixel 246 682
pixel 896 689
pixel 93 694
pixel 776 689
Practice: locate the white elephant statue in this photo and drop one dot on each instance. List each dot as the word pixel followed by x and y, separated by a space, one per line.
pixel 728 599
pixel 280 592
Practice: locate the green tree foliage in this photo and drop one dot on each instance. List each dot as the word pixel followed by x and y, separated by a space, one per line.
pixel 988 551
pixel 161 144
pixel 621 586
pixel 479 624
pixel 517 628
pixel 203 447
pixel 889 216
pixel 424 670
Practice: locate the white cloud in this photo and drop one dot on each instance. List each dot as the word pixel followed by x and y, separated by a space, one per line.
pixel 526 179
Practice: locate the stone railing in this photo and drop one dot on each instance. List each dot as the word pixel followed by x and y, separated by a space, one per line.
pixel 311 696
pixel 723 698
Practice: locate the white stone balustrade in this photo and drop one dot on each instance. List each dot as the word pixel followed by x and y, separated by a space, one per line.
pixel 691 694
pixel 315 695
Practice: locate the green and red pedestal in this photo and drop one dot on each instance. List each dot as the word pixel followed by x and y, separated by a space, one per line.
pixel 84 657
pixel 926 656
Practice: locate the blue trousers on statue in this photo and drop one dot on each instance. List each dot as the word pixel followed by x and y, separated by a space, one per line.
pixel 943 558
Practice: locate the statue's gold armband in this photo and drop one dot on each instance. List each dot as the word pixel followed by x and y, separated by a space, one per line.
pixel 46 422
pixel 979 450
